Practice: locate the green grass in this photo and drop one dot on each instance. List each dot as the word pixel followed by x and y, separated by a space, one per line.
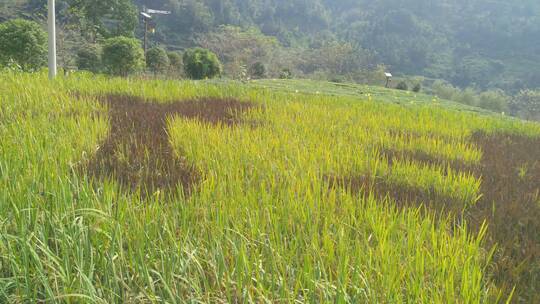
pixel 263 225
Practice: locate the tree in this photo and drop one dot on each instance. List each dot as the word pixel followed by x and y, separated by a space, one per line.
pixel 123 56
pixel 23 42
pixel 258 70
pixel 201 63
pixel 89 58
pixel 157 60
pixel 402 85
pixel 176 65
pixel 239 48
pixel 494 100
pixel 527 104
pixel 106 18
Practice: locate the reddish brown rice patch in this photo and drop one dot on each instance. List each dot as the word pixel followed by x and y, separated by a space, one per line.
pixel 137 152
pixel 510 204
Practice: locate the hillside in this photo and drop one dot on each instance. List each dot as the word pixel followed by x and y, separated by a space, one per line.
pixel 138 191
pixel 482 43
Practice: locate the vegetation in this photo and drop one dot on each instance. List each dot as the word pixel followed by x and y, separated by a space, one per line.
pixel 483 44
pixel 527 104
pixel 258 70
pixel 123 56
pixel 493 100
pixel 176 64
pixel 267 190
pixel 267 201
pixel 89 58
pixel 201 64
pixel 157 60
pixel 94 18
pixel 402 85
pixel 23 43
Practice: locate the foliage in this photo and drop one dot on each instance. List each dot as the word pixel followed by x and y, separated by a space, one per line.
pixel 444 90
pixel 24 43
pixel 176 66
pixel 89 58
pixel 467 96
pixel 456 41
pixel 103 18
pixel 285 74
pixel 417 88
pixel 494 100
pixel 402 85
pixel 157 60
pixel 238 48
pixel 258 70
pixel 527 104
pixel 122 56
pixel 201 63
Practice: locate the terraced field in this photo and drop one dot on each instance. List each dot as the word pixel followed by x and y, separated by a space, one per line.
pixel 132 191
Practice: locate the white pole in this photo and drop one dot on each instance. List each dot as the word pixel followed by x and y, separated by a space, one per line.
pixel 52 39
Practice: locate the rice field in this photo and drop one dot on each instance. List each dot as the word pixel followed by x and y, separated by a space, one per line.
pixel 143 191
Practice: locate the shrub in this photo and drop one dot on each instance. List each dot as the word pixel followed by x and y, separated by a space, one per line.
pixel 24 43
pixel 258 70
pixel 495 100
pixel 123 56
pixel 285 74
pixel 417 88
pixel 201 63
pixel 89 58
pixel 467 96
pixel 157 60
pixel 176 66
pixel 527 104
pixel 444 90
pixel 175 59
pixel 402 86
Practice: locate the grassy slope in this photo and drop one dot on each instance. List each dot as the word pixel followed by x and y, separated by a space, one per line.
pixel 259 228
pixel 405 98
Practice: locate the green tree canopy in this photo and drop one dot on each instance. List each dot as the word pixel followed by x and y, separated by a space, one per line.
pixel 122 56
pixel 23 42
pixel 201 63
pixel 157 60
pixel 106 18
pixel 89 58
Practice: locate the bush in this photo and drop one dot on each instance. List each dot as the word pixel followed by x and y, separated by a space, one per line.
pixel 285 74
pixel 258 70
pixel 496 101
pixel 123 56
pixel 175 59
pixel 467 96
pixel 176 65
pixel 201 63
pixel 89 58
pixel 527 104
pixel 157 60
pixel 24 43
pixel 417 88
pixel 402 86
pixel 444 90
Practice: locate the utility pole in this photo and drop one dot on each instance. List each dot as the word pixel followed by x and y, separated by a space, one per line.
pixel 52 39
pixel 145 36
pixel 146 17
